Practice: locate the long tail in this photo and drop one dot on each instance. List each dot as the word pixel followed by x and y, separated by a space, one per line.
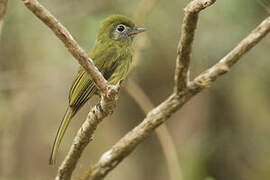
pixel 60 133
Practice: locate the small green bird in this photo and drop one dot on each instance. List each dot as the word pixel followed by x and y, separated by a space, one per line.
pixel 112 54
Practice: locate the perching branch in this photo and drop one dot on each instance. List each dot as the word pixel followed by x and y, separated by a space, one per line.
pixel 108 92
pixel 84 136
pixel 189 25
pixel 73 47
pixel 162 112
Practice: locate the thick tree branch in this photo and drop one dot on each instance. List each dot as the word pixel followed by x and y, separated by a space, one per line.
pixel 185 44
pixel 62 33
pixel 162 112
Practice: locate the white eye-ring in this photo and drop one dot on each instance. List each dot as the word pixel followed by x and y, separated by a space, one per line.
pixel 120 28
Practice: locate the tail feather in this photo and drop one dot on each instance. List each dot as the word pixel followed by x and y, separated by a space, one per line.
pixel 60 133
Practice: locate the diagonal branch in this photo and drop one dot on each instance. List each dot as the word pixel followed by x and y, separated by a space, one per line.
pixel 128 143
pixel 189 25
pixel 84 136
pixel 223 66
pixel 108 92
pixel 62 33
pixel 162 112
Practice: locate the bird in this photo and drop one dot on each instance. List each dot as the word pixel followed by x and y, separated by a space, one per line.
pixel 112 54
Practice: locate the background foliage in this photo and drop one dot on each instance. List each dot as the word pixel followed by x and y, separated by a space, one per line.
pixel 222 134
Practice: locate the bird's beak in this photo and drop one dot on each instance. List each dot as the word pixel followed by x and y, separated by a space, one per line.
pixel 136 30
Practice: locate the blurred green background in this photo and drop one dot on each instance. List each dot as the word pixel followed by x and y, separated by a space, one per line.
pixel 223 133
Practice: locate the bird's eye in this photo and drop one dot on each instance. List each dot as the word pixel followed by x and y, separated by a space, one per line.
pixel 120 28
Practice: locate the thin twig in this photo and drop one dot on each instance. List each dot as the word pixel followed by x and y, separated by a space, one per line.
pixel 185 44
pixel 163 134
pixel 223 66
pixel 162 112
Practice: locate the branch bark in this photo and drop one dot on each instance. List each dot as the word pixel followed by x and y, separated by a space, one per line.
pixel 162 112
pixel 108 92
pixel 189 25
pixel 73 47
pixel 223 66
pixel 84 135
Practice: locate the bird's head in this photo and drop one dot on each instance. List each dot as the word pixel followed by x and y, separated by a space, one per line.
pixel 118 28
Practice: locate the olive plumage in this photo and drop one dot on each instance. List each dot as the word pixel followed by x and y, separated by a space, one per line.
pixel 112 54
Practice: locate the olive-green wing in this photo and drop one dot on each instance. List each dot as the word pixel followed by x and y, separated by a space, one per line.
pixel 83 88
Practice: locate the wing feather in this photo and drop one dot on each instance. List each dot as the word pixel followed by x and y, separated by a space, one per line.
pixel 83 88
